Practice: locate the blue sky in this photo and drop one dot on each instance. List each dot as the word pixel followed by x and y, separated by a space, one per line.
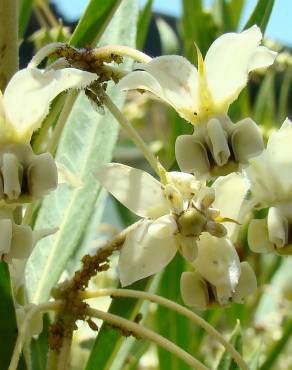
pixel 279 28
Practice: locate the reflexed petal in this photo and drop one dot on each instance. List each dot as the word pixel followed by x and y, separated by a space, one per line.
pixel 246 140
pixel 134 188
pixel 143 255
pixel 279 151
pixel 194 290
pixel 228 61
pixel 263 57
pixel 191 155
pixel 163 227
pixel 29 93
pixel 172 78
pixel 247 283
pixel 230 193
pixel 219 144
pixel 5 236
pixel 277 227
pixel 188 247
pixel 22 241
pixel 217 261
pixel 258 237
pixel 174 198
pixel 36 322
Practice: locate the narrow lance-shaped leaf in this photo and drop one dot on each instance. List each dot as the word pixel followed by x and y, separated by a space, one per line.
pixel 226 362
pixel 93 22
pixel 260 15
pixel 170 324
pixel 25 9
pixel 143 24
pixel 87 143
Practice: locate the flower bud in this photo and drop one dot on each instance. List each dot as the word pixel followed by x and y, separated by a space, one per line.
pixel 191 223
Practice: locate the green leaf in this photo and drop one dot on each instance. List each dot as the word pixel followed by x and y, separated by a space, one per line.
pixel 170 324
pixel 168 38
pixel 8 327
pixel 223 16
pixel 93 22
pixel 285 92
pixel 235 11
pixel 109 341
pixel 261 14
pixel 25 9
pixel 226 362
pixel 143 24
pixel 265 104
pixel 87 143
pixel 39 347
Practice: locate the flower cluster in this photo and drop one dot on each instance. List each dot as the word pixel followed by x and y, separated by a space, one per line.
pixel 183 212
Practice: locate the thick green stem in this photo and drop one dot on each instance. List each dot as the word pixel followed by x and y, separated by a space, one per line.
pixel 8 41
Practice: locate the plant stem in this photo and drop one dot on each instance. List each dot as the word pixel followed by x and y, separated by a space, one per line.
pixel 143 332
pixel 133 134
pixel 175 307
pixel 64 356
pixel 70 100
pixel 103 52
pixel 8 40
pixel 49 306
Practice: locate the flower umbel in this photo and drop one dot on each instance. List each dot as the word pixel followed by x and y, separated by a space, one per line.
pixel 203 97
pixel 176 213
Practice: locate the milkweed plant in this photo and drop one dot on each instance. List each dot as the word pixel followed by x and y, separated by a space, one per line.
pixel 205 230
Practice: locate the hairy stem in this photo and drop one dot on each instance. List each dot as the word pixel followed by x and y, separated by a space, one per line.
pixel 8 41
pixel 142 332
pixel 133 134
pixel 50 306
pixel 103 52
pixel 175 307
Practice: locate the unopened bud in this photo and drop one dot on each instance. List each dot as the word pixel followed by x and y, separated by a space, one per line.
pixel 191 223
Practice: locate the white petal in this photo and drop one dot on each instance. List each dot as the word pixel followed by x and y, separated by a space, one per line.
pixel 174 198
pixel 184 182
pixel 5 236
pixel 12 172
pixel 263 57
pixel 191 155
pixel 217 261
pixel 36 323
pixel 188 247
pixel 247 283
pixel 228 62
pixel 163 227
pixel 172 78
pixel 22 241
pixel 277 227
pixel 218 142
pixel 194 290
pixel 136 189
pixel 230 192
pixel 246 140
pixel 143 255
pixel 258 237
pixel 29 93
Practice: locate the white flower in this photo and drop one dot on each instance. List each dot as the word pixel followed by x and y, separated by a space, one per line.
pixel 36 323
pixel 203 97
pixel 270 175
pixel 27 97
pixel 175 215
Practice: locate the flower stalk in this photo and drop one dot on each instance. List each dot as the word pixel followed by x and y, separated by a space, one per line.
pixel 142 332
pixel 128 293
pixel 133 134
